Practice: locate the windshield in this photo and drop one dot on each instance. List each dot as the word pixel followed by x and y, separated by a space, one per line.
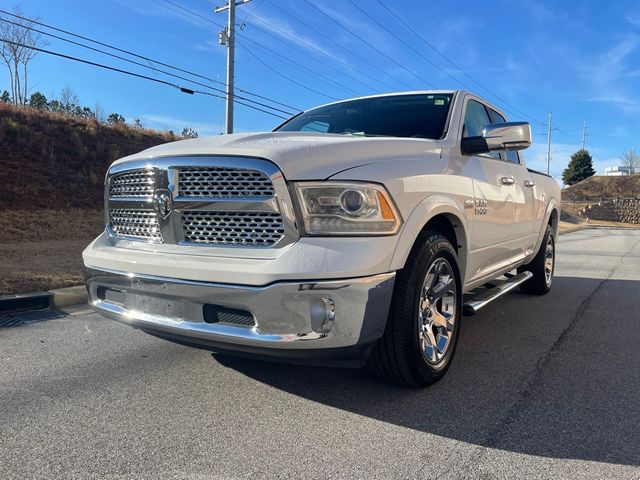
pixel 415 116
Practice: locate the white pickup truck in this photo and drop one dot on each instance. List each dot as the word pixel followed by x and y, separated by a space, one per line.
pixel 348 235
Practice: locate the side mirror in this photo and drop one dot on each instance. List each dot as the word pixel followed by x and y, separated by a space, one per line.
pixel 508 136
pixel 499 136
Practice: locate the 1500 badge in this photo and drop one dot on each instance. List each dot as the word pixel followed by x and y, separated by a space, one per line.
pixel 481 207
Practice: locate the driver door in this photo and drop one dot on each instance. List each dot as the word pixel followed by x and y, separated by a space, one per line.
pixel 494 245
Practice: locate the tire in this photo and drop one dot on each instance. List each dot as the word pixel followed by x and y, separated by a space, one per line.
pixel 540 267
pixel 407 354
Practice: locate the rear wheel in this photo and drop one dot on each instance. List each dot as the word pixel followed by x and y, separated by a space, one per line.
pixel 424 319
pixel 542 266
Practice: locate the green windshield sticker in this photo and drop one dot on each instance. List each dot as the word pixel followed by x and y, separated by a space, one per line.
pixel 439 102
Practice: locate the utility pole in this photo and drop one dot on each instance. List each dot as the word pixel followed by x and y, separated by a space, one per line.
pixel 584 134
pixel 228 38
pixel 549 145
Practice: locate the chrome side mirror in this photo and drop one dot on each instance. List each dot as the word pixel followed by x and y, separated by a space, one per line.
pixel 507 136
pixel 499 136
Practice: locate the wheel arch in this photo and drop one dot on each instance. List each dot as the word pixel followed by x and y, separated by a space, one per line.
pixel 438 214
pixel 552 218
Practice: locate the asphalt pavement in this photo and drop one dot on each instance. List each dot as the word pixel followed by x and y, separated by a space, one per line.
pixel 541 387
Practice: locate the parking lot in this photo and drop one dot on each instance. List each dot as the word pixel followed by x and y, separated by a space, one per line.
pixel 541 387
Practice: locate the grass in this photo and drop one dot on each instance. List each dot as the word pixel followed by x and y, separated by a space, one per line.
pixel 18 226
pixel 42 249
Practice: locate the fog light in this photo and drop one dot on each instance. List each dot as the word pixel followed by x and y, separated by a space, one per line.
pixel 323 313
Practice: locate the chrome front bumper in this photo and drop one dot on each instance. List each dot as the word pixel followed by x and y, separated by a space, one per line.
pixel 291 319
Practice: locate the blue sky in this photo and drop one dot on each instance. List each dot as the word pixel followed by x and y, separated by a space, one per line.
pixel 580 60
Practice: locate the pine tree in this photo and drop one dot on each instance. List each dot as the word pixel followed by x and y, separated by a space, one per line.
pixel 39 101
pixel 580 167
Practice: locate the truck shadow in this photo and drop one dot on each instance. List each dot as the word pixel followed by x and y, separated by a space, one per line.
pixel 554 376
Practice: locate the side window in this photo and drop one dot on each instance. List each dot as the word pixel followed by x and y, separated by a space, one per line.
pixel 511 156
pixel 316 126
pixel 475 119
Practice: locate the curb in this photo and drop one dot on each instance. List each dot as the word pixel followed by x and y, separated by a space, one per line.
pixel 59 298
pixel 65 297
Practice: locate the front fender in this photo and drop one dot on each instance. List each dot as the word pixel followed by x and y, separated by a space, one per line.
pixel 426 210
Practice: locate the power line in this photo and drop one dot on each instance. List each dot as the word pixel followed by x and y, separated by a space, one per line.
pixel 143 65
pixel 297 40
pixel 317 74
pixel 380 52
pixel 253 10
pixel 409 46
pixel 282 74
pixel 286 59
pixel 286 12
pixel 294 40
pixel 451 62
pixel 195 14
pixel 301 67
pixel 142 57
pixel 133 74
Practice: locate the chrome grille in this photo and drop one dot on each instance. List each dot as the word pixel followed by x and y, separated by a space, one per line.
pixel 141 224
pixel 233 228
pixel 132 183
pixel 223 182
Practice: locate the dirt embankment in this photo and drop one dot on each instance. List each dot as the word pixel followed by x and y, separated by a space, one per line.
pixel 601 186
pixel 48 160
pixel 52 170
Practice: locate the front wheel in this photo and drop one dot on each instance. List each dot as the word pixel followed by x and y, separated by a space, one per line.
pixel 424 320
pixel 542 266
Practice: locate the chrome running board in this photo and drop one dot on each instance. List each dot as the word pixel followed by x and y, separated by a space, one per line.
pixel 483 299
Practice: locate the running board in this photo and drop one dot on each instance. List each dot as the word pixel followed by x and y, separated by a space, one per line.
pixel 488 296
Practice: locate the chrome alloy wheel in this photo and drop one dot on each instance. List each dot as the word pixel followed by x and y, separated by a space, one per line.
pixel 549 258
pixel 437 311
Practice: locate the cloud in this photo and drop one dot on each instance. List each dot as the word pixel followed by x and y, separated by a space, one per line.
pixel 608 74
pixel 634 18
pixel 541 12
pixel 611 65
pixel 627 103
pixel 169 13
pixel 284 30
pixel 210 46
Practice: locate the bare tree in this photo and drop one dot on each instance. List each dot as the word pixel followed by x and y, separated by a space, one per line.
pixel 69 99
pixel 16 42
pixel 100 113
pixel 631 160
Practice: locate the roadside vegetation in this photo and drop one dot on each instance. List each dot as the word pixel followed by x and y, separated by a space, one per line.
pixel 54 153
pixel 52 167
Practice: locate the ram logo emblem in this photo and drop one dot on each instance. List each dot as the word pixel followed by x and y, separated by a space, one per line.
pixel 162 203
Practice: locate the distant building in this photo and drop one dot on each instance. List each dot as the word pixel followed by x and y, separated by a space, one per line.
pixel 616 171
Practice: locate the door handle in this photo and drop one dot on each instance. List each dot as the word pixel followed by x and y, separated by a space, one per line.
pixel 507 180
pixel 529 183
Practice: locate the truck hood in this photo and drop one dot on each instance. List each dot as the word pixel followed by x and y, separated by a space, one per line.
pixel 300 155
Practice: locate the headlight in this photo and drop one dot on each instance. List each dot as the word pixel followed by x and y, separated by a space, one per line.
pixel 332 208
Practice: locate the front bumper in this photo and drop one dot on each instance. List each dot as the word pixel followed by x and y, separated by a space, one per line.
pixel 293 320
